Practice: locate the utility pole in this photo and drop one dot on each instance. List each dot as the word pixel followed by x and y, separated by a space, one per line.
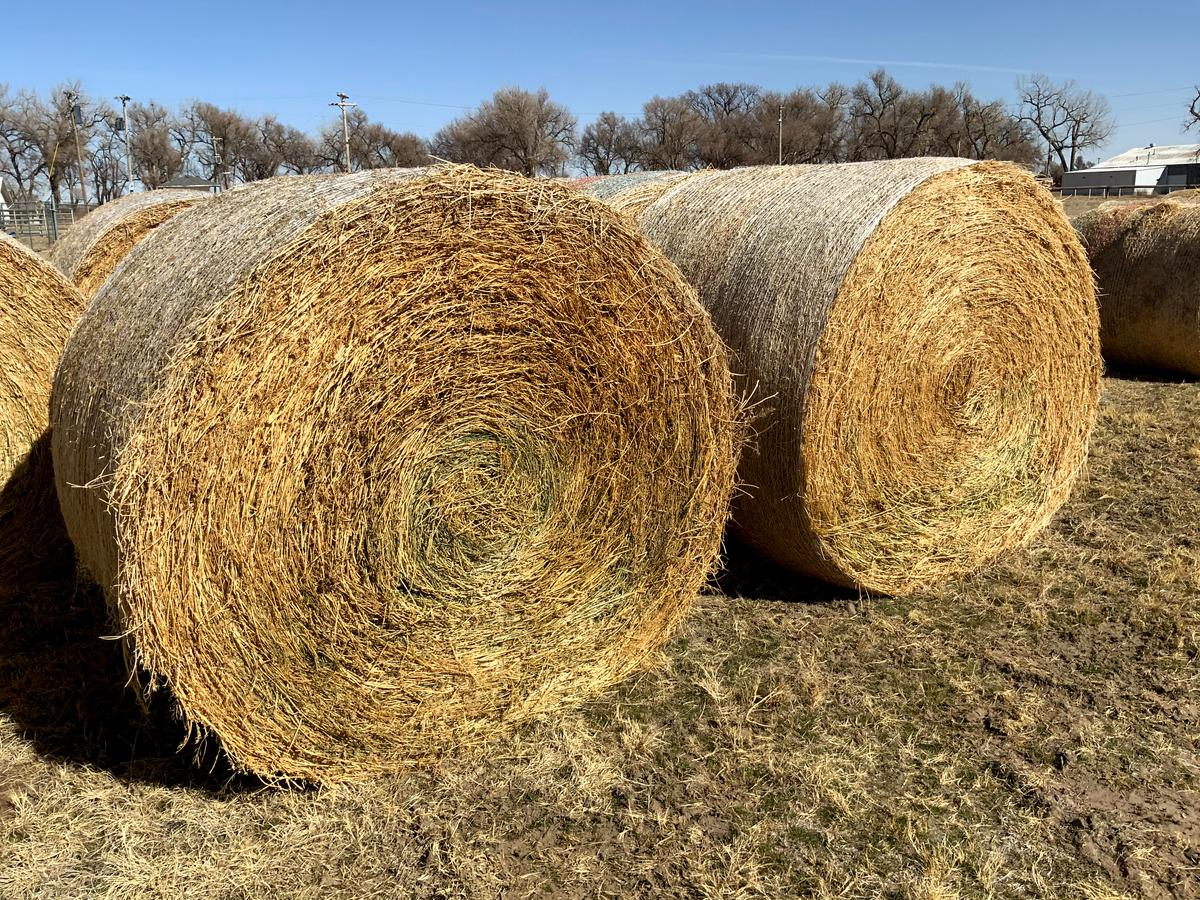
pixel 218 170
pixel 128 161
pixel 76 115
pixel 344 104
pixel 781 134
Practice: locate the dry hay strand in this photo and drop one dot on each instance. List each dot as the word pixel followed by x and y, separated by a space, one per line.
pixel 38 307
pixel 923 336
pixel 398 460
pixel 1139 202
pixel 95 245
pixel 1146 257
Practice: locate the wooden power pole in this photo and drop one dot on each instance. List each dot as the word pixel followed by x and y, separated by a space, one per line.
pixel 76 113
pixel 344 103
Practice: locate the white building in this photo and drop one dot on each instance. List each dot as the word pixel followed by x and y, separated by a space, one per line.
pixel 1142 170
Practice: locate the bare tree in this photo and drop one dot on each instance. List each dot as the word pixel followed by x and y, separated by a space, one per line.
pixel 516 129
pixel 889 122
pixel 727 123
pixel 185 131
pixel 669 131
pixel 1193 119
pixel 298 153
pixel 609 146
pixel 106 155
pixel 48 127
pixel 156 156
pixel 225 143
pixel 20 160
pixel 816 127
pixel 372 145
pixel 991 132
pixel 1068 118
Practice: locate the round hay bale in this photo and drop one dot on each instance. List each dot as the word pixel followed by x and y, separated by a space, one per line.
pixel 922 337
pixel 381 464
pixel 613 188
pixel 1146 257
pixel 38 307
pixel 95 245
pixel 636 193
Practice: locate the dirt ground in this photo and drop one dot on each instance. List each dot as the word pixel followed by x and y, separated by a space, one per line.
pixel 1033 731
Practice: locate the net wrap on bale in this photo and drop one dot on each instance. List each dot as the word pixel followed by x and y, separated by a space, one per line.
pixel 95 245
pixel 381 464
pixel 37 309
pixel 922 336
pixel 1146 256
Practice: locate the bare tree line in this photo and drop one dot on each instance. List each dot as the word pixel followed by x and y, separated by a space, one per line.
pixel 719 125
pixel 37 150
pixel 724 125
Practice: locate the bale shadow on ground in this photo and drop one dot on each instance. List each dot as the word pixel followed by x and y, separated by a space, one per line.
pixel 1127 372
pixel 63 680
pixel 746 573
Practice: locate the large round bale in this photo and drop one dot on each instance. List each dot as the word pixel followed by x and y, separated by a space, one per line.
pixel 1146 256
pixel 378 465
pixel 95 245
pixel 922 338
pixel 37 310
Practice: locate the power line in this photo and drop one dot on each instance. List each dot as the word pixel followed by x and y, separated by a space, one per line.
pixel 1178 118
pixel 416 102
pixel 1144 93
pixel 1177 103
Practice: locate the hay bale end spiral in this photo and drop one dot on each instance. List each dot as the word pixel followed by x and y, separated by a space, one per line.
pixel 382 464
pixel 923 337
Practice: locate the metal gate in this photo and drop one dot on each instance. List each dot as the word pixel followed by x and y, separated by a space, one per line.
pixel 37 224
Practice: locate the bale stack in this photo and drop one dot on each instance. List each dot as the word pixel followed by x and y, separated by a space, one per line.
pixel 95 245
pixel 922 336
pixel 378 465
pixel 37 310
pixel 1146 256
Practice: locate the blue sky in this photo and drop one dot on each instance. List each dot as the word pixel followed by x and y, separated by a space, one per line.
pixel 289 59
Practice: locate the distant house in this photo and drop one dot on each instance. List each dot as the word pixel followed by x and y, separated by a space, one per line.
pixel 1142 170
pixel 190 183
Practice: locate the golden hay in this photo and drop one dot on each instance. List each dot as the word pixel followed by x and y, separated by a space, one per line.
pixel 924 335
pixel 1147 262
pixel 398 459
pixel 38 307
pixel 95 245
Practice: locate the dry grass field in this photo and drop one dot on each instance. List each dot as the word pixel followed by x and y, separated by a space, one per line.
pixel 1033 731
pixel 1076 206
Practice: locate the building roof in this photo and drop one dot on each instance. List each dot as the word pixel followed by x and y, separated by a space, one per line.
pixel 1166 155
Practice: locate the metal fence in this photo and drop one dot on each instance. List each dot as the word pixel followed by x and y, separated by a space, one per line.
pixel 1128 190
pixel 38 224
